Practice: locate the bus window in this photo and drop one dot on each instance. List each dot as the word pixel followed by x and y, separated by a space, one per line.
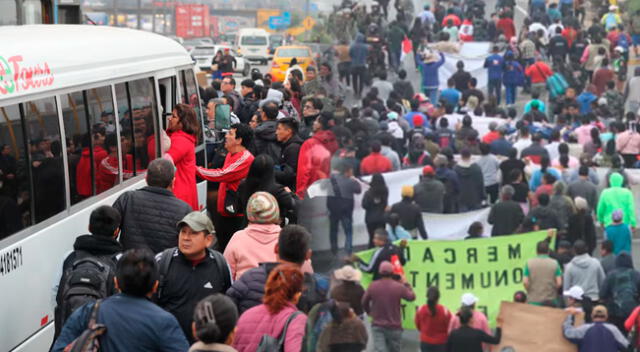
pixel 45 158
pixel 142 97
pixel 101 116
pixel 191 89
pixel 14 181
pixel 8 13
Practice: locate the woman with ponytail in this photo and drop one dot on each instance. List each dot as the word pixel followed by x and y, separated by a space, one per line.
pixel 432 320
pixel 282 292
pixel 214 324
pixel 345 333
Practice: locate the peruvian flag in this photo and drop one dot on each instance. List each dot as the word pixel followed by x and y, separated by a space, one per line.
pixel 407 47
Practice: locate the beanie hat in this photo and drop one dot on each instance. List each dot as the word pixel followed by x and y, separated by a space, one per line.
pixel 407 191
pixel 262 208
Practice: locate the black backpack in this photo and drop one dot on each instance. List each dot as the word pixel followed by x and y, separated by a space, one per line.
pixel 165 262
pixel 335 203
pixel 269 343
pixel 87 280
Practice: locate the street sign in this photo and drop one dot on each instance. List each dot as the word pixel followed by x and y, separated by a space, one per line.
pixel 279 22
pixel 308 23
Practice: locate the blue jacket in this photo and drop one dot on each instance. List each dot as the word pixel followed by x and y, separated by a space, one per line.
pixel 585 99
pixel 495 65
pixel 594 337
pixel 358 52
pixel 430 73
pixel 500 147
pixel 513 73
pixel 133 324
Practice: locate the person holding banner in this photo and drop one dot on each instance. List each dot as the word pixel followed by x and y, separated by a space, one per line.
pixel 385 252
pixel 542 277
pixel 469 339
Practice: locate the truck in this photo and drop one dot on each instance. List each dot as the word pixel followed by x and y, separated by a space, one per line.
pixel 192 21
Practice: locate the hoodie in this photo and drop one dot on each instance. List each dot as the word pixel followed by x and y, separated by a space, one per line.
pixel 252 246
pixel 585 272
pixel 314 160
pixel 471 185
pixel 265 140
pixel 616 197
pixel 358 52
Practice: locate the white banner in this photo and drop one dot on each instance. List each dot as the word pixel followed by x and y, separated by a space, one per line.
pixel 473 55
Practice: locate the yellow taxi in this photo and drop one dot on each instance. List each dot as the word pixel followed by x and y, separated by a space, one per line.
pixel 283 56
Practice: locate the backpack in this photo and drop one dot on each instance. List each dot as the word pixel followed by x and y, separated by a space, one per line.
pixel 88 340
pixel 269 343
pixel 164 262
pixel 623 41
pixel 624 294
pixel 87 280
pixel 557 85
pixel 315 288
pixel 335 203
pixel 319 318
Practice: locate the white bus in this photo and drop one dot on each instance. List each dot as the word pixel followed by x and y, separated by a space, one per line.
pixel 253 44
pixel 63 89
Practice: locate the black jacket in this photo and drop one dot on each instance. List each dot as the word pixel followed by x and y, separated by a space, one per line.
pixel 287 201
pixel 544 217
pixel 467 339
pixel 374 207
pixel 248 290
pixel 104 249
pixel 429 195
pixel 410 216
pixel 471 186
pixel 381 254
pixel 506 217
pixel 287 163
pixel 558 46
pixel 149 218
pixel 185 285
pixel 248 107
pixel 265 141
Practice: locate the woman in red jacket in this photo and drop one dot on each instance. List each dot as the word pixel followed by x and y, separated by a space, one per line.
pixel 432 320
pixel 183 129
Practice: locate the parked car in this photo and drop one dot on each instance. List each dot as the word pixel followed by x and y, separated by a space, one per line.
pixel 203 54
pixel 283 56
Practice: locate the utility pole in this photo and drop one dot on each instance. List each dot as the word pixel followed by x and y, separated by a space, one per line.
pixel 139 14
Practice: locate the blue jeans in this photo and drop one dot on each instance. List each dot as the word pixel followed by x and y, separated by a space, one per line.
pixel 511 93
pixel 432 93
pixel 386 340
pixel 347 226
pixel 495 89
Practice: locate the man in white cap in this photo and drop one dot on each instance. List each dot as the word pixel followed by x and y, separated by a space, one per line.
pixel 576 300
pixel 478 321
pixel 611 19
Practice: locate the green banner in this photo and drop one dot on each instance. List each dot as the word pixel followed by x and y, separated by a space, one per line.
pixel 490 268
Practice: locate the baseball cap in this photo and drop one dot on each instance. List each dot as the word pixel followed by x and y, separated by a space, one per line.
pixel 469 299
pixel 617 215
pixel 385 268
pixel 575 292
pixel 428 170
pixel 197 221
pixel 392 115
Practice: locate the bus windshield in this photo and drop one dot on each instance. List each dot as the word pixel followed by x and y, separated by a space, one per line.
pixel 254 40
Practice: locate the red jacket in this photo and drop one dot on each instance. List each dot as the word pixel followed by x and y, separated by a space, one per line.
pixel 375 163
pixel 107 174
pixel 83 170
pixel 314 160
pixel 183 155
pixel 632 321
pixel 538 72
pixel 507 27
pixel 454 18
pixel 434 329
pixel 235 169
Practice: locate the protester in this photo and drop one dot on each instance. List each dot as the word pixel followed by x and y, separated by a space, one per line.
pixel 314 159
pixel 616 197
pixel 278 310
pixel 582 226
pixel 100 248
pixel 432 320
pixel 506 215
pixel 149 215
pixel 542 277
pixel 478 321
pixel 375 163
pixel 374 202
pixel 133 321
pixel 620 290
pixel 348 288
pixel 429 192
pixel 228 214
pixel 385 251
pixel 619 233
pixel 214 324
pixel 382 302
pixel 346 332
pixel 340 205
pixel 584 271
pixel 292 248
pixel 470 339
pixel 410 214
pixel 183 128
pixel 472 191
pixel 191 271
pixel 607 258
pixel 596 336
pixel 490 167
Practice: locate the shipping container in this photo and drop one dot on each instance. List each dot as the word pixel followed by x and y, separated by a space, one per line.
pixel 192 21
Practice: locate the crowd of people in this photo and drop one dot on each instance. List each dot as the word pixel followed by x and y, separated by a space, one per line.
pixel 165 276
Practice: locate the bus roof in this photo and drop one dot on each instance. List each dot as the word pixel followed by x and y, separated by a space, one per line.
pixel 40 58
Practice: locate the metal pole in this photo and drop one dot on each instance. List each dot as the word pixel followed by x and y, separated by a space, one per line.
pixel 164 18
pixel 139 14
pixel 115 13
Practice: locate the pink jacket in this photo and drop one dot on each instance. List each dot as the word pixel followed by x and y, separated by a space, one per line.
pixel 257 321
pixel 252 246
pixel 628 142
pixel 479 321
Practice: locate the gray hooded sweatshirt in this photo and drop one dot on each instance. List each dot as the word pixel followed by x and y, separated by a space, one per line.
pixel 586 272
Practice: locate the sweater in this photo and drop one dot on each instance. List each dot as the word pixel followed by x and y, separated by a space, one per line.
pixel 258 321
pixel 434 328
pixel 382 301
